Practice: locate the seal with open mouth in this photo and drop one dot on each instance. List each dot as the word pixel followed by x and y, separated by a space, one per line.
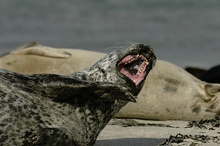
pixel 169 92
pixel 49 109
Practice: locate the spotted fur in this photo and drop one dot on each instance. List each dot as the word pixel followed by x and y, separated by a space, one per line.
pixel 48 109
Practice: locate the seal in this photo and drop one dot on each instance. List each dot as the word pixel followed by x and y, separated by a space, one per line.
pixel 211 75
pixel 48 60
pixel 50 109
pixel 169 93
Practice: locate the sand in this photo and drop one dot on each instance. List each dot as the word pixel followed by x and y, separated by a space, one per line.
pixel 122 132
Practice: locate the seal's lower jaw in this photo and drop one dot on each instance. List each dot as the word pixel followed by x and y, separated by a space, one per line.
pixel 134 67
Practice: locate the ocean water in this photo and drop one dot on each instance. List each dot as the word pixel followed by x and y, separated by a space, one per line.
pixel 184 32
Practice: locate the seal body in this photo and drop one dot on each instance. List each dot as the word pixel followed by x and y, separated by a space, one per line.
pixel 49 109
pixel 169 93
pixel 24 60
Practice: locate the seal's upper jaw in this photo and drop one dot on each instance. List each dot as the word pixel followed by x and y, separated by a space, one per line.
pixel 136 64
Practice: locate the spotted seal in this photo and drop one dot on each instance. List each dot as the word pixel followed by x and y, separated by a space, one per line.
pixel 50 109
pixel 169 93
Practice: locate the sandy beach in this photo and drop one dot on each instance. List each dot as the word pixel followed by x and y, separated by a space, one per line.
pixel 185 33
pixel 131 132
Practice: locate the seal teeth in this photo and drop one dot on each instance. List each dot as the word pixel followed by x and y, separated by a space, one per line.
pixel 143 66
pixel 141 69
pixel 134 58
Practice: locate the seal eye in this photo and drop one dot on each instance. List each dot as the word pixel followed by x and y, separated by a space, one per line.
pixel 134 67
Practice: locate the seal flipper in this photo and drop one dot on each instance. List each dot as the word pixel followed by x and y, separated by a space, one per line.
pixel 63 88
pixel 28 45
pixel 93 90
pixel 35 48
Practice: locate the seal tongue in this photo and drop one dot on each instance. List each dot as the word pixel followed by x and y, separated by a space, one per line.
pixel 134 68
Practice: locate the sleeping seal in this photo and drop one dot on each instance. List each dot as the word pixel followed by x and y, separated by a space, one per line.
pixel 169 93
pixel 49 109
pixel 211 75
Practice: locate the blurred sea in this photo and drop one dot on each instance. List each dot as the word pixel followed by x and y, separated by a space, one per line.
pixel 184 32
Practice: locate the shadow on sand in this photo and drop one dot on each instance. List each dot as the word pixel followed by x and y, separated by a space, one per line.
pixel 130 142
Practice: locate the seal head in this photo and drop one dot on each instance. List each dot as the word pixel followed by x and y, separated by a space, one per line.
pixel 127 68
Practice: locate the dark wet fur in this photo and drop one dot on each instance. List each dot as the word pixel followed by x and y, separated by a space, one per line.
pixel 210 76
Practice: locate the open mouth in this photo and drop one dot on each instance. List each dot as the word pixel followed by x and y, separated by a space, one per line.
pixel 134 67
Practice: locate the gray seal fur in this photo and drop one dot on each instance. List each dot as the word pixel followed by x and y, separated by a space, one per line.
pixel 49 109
